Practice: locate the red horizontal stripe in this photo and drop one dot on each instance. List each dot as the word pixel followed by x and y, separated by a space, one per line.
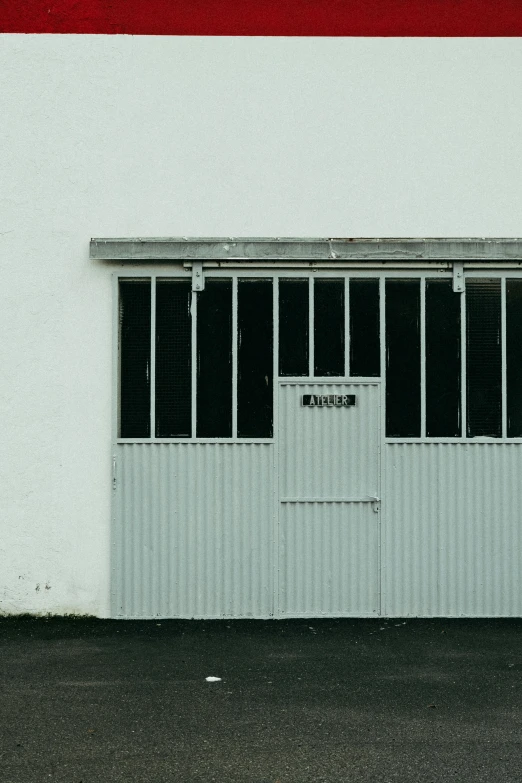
pixel 265 17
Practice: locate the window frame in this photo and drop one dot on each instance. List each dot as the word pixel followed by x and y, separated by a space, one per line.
pixel 175 270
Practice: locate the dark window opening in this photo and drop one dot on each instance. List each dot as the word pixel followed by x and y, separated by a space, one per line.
pixel 134 321
pixel 212 379
pixel 293 327
pixel 214 349
pixel 403 392
pixel 483 358
pixel 514 357
pixel 365 342
pixel 255 359
pixel 328 327
pixel 173 359
pixel 443 360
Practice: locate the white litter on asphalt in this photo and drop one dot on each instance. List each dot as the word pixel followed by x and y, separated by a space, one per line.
pixel 213 679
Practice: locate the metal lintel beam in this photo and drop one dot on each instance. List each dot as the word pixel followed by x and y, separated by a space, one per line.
pixel 312 250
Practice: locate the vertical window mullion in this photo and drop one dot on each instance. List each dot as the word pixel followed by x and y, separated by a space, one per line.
pixel 423 354
pixel 234 356
pixel 311 352
pixel 153 357
pixel 503 333
pixel 275 354
pixel 463 368
pixel 347 326
pixel 382 348
pixel 194 363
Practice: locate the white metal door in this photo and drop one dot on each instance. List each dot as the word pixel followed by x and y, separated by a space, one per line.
pixel 329 499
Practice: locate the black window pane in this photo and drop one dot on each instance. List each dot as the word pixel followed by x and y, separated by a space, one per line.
pixel 173 359
pixel 328 327
pixel 403 394
pixel 214 347
pixel 255 359
pixel 443 360
pixel 293 327
pixel 365 344
pixel 483 358
pixel 134 315
pixel 514 357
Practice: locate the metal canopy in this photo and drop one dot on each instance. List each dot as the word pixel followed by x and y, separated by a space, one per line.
pixel 273 250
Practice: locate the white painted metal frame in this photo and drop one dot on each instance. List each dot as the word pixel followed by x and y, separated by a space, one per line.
pixel 234 357
pixel 423 355
pixel 153 358
pixel 311 319
pixel 417 271
pixel 276 534
pixel 382 540
pixel 193 363
pixel 347 326
pixel 463 377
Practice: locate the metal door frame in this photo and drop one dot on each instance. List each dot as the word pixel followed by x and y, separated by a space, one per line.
pixel 330 381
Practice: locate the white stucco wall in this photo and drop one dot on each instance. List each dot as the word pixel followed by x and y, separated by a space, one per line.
pixel 118 136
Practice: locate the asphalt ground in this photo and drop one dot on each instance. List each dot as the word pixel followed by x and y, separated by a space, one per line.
pixel 84 701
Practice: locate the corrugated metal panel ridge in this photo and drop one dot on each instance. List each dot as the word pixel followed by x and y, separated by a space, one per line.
pixel 453 517
pixel 193 531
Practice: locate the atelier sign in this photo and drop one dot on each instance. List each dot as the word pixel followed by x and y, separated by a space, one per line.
pixel 329 400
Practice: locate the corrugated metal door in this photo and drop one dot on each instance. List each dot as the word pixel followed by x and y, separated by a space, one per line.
pixel 329 500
